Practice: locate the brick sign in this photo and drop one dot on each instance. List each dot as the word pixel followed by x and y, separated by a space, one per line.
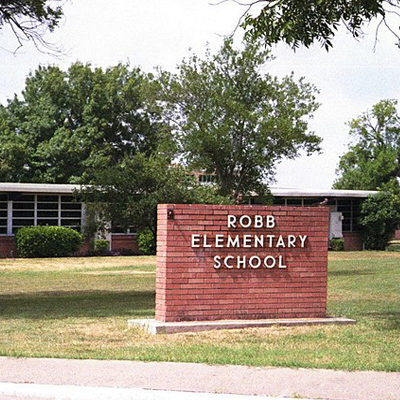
pixel 241 262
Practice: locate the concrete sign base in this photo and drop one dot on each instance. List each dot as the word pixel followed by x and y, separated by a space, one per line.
pixel 157 327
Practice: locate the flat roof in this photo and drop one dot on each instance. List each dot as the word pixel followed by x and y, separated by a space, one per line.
pixel 38 187
pixel 280 192
pixel 293 192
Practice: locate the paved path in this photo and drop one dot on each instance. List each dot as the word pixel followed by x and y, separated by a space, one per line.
pixel 189 377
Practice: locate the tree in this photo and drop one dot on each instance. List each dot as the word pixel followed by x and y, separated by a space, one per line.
pixel 303 22
pixel 380 216
pixel 68 125
pixel 374 159
pixel 231 119
pixel 29 20
pixel 128 193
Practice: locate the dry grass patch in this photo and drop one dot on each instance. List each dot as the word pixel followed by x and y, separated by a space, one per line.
pixel 71 263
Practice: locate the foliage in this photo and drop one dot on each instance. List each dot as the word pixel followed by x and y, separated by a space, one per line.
pixel 231 119
pixel 146 242
pixel 304 22
pixel 336 244
pixel 380 216
pixel 47 241
pixel 29 20
pixel 101 247
pixel 70 124
pixel 393 247
pixel 128 193
pixel 374 159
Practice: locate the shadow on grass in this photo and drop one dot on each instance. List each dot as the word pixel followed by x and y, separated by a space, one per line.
pixel 96 303
pixel 391 318
pixel 351 272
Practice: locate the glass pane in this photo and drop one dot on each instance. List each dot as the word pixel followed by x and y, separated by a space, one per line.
pixel 22 206
pixel 294 202
pixel 47 206
pixel 3 230
pixel 3 214
pixel 51 199
pixel 24 213
pixel 3 197
pixel 3 206
pixel 71 206
pixel 50 222
pixel 27 197
pixel 22 222
pixel 73 214
pixel 42 214
pixel 70 222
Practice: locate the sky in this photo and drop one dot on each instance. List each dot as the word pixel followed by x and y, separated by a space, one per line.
pixel 351 77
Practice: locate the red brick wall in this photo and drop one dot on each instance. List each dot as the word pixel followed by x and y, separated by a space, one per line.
pixel 396 235
pixel 124 243
pixel 190 288
pixel 7 247
pixel 352 241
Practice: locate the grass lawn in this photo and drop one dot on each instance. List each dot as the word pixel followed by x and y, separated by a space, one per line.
pixel 78 308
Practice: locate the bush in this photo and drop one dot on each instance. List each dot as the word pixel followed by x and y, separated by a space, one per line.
pixel 380 216
pixel 47 241
pixel 146 242
pixel 101 247
pixel 336 244
pixel 393 247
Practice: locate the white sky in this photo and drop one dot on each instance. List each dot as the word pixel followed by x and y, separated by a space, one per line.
pixel 351 77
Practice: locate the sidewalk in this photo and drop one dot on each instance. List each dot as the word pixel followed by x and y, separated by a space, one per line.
pixel 68 378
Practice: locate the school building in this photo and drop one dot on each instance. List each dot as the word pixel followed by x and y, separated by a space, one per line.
pixel 34 204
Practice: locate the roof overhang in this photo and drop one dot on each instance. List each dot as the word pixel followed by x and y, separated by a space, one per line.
pixel 284 192
pixel 39 188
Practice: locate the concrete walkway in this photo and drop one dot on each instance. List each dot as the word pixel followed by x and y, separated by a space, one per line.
pixel 87 379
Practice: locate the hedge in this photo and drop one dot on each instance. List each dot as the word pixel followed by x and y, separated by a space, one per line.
pixel 47 241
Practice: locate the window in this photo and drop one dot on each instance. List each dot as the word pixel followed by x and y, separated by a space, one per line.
pixel 39 210
pixel 3 214
pixel 350 208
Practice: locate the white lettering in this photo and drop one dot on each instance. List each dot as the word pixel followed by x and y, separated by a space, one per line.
pixel 258 260
pixel 280 242
pixel 258 241
pixel 242 223
pixel 280 263
pixel 246 240
pixel 233 242
pixel 205 244
pixel 219 240
pixel 291 239
pixel 241 262
pixel 226 262
pixel 270 238
pixel 258 221
pixel 270 221
pixel 195 240
pixel 217 262
pixel 267 265
pixel 302 240
pixel 231 221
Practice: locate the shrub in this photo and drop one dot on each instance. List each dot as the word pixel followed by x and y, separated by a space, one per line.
pixel 47 241
pixel 380 216
pixel 101 247
pixel 146 242
pixel 336 244
pixel 393 247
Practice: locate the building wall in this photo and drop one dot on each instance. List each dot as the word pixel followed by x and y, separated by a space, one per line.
pixel 7 247
pixel 352 241
pixel 125 244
